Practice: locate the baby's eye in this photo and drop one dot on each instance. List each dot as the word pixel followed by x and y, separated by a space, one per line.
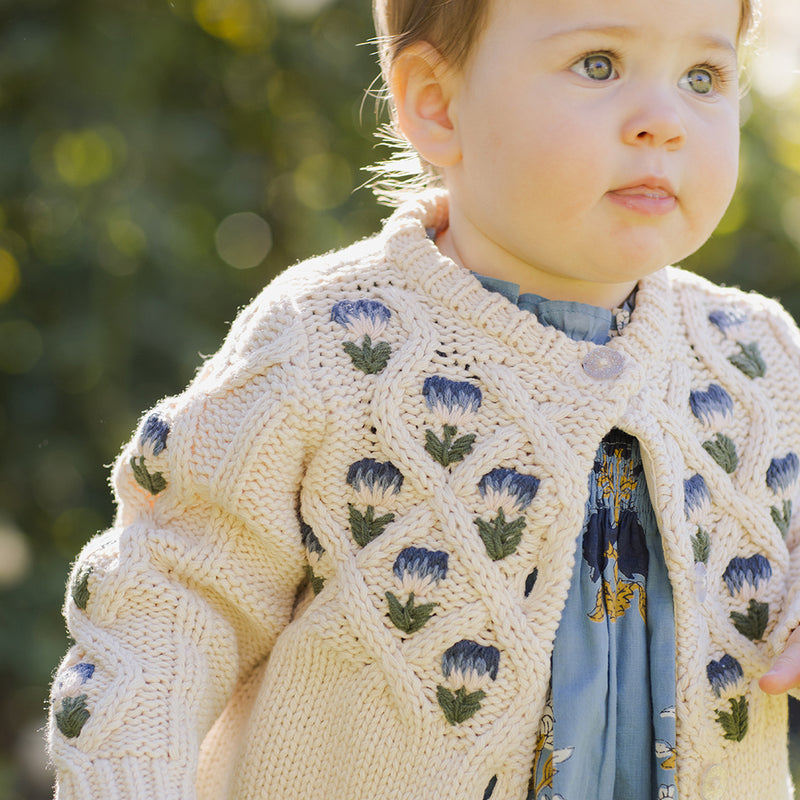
pixel 596 67
pixel 698 80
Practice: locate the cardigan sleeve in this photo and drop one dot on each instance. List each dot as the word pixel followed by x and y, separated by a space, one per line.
pixel 187 592
pixel 786 337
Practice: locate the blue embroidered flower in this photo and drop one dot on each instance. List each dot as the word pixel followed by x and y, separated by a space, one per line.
pixel 713 407
pixel 71 679
pixel 368 319
pixel 374 481
pixel 751 571
pixel 419 569
pixel 453 402
pixel 697 498
pixel 361 317
pixel 154 434
pixel 508 489
pixel 724 674
pixel 782 474
pixel 727 319
pixel 468 666
pixel 73 712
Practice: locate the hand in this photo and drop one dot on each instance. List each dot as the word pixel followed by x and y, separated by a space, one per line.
pixel 784 674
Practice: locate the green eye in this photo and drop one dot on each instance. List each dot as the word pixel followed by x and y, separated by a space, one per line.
pixel 598 67
pixel 700 81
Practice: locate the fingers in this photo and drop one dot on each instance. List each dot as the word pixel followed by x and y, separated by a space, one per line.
pixel 785 671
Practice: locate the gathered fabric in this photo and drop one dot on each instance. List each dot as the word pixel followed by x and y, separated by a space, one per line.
pixel 342 555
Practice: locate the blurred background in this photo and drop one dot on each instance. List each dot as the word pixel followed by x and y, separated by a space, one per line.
pixel 160 161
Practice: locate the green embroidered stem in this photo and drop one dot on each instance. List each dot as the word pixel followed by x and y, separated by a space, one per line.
pixel 749 360
pixel 734 722
pixel 365 527
pixel 315 581
pixel 445 450
pixel 408 618
pixel 460 706
pixel 723 451
pixel 501 538
pixel 701 546
pixel 782 517
pixel 72 716
pixel 154 483
pixel 367 358
pixel 80 588
pixel 754 622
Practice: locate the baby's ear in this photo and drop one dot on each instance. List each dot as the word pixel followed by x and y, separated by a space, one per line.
pixel 422 85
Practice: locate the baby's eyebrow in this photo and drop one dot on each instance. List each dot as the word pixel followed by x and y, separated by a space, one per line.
pixel 703 41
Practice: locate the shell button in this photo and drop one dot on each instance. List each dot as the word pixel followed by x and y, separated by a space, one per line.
pixel 714 783
pixel 603 363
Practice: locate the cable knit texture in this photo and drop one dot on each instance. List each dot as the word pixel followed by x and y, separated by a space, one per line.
pixel 340 556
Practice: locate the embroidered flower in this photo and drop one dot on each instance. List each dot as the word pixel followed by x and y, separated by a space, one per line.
pixel 504 489
pixel 73 712
pixel 697 498
pixel 782 474
pixel 727 320
pixel 469 666
pixel 734 723
pixel 368 319
pixel 781 478
pixel 361 317
pixel 508 489
pixel 750 571
pixel 749 360
pixel 154 435
pixel 724 674
pixel 713 407
pixel 374 481
pixel 453 402
pixel 418 569
pixel 752 624
pixel 71 679
pixel 314 551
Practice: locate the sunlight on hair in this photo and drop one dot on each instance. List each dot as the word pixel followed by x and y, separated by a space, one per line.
pixel 775 70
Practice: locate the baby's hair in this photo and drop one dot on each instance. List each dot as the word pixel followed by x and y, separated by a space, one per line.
pixel 452 27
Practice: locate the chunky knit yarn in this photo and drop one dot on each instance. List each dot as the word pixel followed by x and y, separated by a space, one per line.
pixel 341 555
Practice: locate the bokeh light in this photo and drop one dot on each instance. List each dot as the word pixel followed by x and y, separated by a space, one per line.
pixel 243 240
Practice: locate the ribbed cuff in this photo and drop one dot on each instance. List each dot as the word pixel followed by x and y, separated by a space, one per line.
pixel 125 778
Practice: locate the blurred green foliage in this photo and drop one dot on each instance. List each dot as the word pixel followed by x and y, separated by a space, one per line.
pixel 159 163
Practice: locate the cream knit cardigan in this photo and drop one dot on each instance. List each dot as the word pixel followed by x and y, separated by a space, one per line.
pixel 296 600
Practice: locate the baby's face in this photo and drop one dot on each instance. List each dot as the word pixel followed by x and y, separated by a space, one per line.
pixel 599 141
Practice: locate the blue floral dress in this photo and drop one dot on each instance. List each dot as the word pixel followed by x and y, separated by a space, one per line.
pixel 608 732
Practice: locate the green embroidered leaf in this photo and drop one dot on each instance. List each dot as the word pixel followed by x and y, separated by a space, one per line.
pixel 734 722
pixel 723 451
pixel 754 622
pixel 782 517
pixel 367 358
pixel 72 716
pixel 154 483
pixel 460 706
pixel 315 581
pixel 501 538
pixel 434 447
pixel 749 360
pixel 365 527
pixel 446 451
pixel 80 588
pixel 408 618
pixel 701 546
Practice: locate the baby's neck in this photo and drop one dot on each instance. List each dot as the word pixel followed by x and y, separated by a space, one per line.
pixel 539 282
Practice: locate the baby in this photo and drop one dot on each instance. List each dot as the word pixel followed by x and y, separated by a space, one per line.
pixel 495 504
